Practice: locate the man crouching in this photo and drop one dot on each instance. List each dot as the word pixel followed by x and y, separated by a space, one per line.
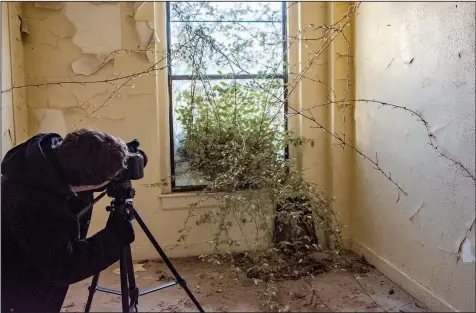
pixel 46 181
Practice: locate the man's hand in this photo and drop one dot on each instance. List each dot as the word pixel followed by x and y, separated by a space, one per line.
pixel 123 229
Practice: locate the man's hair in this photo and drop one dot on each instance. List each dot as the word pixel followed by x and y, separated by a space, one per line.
pixel 89 157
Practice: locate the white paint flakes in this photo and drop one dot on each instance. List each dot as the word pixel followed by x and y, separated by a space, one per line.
pixel 467 253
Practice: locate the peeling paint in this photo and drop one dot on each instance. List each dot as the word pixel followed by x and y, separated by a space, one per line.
pixel 89 64
pixel 467 253
pixel 25 33
pixel 98 33
pixel 144 15
pixel 145 34
pixel 145 12
pixel 98 28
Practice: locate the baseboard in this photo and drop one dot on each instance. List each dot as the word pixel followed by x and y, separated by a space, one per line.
pixel 414 288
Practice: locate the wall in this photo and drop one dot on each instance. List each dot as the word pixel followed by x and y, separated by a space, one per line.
pixel 418 55
pixel 14 112
pixel 323 70
pixel 8 131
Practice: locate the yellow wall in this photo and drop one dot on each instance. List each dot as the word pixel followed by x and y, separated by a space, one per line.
pixel 325 72
pixel 8 129
pixel 14 112
pixel 419 55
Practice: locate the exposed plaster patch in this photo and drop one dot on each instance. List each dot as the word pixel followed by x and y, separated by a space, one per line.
pixel 89 63
pixel 98 27
pixel 466 250
pixel 145 12
pixel 145 34
pixel 60 26
pixel 144 15
pixel 50 121
pixel 467 253
pixel 136 5
pixel 50 5
pixel 98 33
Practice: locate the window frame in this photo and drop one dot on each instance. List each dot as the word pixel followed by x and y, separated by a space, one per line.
pixel 171 78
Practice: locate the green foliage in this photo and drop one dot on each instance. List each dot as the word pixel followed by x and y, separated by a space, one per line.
pixel 233 135
pixel 234 138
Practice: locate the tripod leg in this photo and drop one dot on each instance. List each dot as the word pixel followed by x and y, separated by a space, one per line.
pixel 92 290
pixel 157 247
pixel 133 288
pixel 124 286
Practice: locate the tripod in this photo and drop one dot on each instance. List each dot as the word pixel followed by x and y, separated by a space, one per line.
pixel 129 290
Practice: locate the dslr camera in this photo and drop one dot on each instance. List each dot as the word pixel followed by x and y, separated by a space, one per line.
pixel 120 187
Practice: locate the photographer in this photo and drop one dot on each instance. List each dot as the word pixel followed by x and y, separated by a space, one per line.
pixel 46 181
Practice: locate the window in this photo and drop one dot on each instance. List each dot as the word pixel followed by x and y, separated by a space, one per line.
pixel 213 43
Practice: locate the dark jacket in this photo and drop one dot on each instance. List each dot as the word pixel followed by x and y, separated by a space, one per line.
pixel 43 242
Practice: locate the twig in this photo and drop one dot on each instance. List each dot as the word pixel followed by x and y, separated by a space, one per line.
pixel 420 119
pixel 105 101
pixel 354 148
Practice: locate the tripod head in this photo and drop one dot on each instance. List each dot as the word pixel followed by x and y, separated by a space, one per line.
pixel 121 194
pixel 120 190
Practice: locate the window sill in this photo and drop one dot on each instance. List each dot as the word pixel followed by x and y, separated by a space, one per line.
pixel 185 200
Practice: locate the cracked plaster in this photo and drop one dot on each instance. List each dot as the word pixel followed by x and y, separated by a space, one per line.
pixel 85 41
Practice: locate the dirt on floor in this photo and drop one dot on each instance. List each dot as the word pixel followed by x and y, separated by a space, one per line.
pixel 218 288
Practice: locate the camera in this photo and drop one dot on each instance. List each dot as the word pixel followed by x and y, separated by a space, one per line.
pixel 136 162
pixel 121 187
